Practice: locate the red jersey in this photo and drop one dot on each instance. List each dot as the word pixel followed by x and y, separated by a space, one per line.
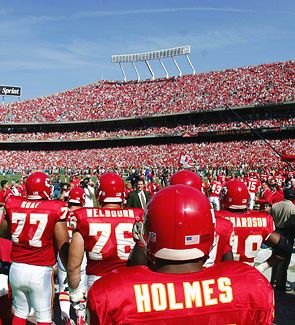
pixel 251 229
pixel 216 187
pixel 277 196
pixel 223 241
pixel 253 185
pixel 5 250
pixel 265 197
pixel 75 182
pixel 107 235
pixel 4 194
pixel 228 293
pixel 264 176
pixel 280 179
pixel 152 188
pixel 32 224
pixel 22 189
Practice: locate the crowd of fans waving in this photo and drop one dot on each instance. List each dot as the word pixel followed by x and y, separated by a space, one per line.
pixel 253 85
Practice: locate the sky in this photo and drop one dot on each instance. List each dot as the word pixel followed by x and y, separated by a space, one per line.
pixel 52 46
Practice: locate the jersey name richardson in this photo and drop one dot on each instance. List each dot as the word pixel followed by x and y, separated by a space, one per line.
pixel 111 213
pixel 247 222
pixel 161 297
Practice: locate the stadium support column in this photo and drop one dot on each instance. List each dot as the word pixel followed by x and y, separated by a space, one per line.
pixel 164 68
pixel 136 71
pixel 150 69
pixel 177 66
pixel 190 63
pixel 123 72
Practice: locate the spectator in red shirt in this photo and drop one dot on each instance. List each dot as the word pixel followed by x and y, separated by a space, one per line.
pixel 153 186
pixel 22 187
pixel 265 196
pixel 277 193
pixel 5 192
pixel 74 181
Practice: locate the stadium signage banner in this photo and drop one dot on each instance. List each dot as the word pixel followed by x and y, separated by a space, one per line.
pixel 10 91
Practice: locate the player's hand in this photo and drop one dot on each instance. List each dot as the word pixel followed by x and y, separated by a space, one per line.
pixel 76 295
pixel 137 231
pixel 80 309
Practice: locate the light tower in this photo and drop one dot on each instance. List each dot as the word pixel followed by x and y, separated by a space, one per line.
pixel 154 55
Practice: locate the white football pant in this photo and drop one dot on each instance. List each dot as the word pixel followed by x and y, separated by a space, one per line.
pixel 32 286
pixel 214 200
pixel 64 299
pixel 251 200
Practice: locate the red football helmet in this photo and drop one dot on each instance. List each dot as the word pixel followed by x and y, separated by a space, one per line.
pixel 178 224
pixel 111 188
pixel 234 195
pixel 77 196
pixel 38 186
pixel 186 177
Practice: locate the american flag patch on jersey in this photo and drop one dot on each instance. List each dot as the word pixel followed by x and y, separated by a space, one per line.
pixel 192 240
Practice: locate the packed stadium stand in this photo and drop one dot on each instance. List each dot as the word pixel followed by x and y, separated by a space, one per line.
pixel 229 156
pixel 273 120
pixel 254 85
pixel 214 117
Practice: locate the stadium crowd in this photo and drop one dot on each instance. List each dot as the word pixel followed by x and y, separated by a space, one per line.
pixel 235 157
pixel 227 156
pixel 253 85
pixel 274 120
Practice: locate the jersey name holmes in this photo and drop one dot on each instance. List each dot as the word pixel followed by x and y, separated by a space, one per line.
pixel 164 296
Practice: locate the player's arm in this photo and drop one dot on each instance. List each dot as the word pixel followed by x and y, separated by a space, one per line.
pixel 4 225
pixel 62 240
pixel 76 253
pixel 282 248
pixel 281 245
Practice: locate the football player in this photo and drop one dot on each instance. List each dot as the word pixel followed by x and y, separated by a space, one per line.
pixel 253 184
pixel 251 228
pixel 214 191
pixel 223 237
pixel 105 233
pixel 76 200
pixel 37 225
pixel 177 234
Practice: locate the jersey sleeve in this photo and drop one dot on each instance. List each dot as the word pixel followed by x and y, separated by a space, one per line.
pixel 270 228
pixel 229 233
pixel 76 220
